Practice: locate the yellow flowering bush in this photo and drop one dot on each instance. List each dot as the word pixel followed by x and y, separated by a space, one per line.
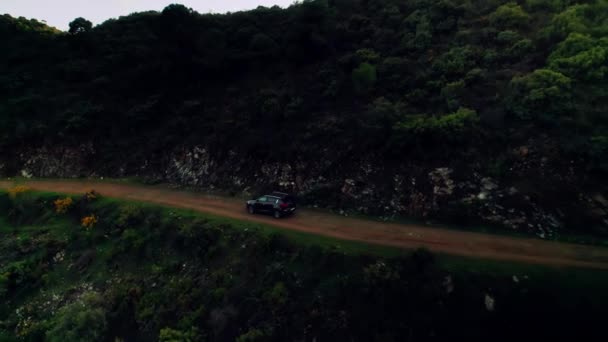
pixel 90 221
pixel 19 189
pixel 62 205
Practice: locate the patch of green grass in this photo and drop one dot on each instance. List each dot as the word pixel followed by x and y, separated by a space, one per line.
pixel 575 280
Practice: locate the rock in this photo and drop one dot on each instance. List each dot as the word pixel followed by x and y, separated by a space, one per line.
pixel 600 199
pixel 85 260
pixel 488 185
pixel 26 174
pixel 443 185
pixel 489 302
pixel 448 284
pixel 523 151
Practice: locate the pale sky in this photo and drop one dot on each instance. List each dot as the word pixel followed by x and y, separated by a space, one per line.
pixel 60 13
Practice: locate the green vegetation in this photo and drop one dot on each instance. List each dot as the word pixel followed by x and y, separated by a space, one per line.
pixel 530 67
pixel 149 273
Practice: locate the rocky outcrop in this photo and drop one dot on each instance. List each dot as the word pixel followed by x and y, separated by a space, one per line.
pixel 446 193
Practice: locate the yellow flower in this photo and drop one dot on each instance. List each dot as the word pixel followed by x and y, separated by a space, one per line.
pixel 89 222
pixel 19 189
pixel 63 205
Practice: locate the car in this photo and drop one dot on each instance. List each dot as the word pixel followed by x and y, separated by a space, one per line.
pixel 278 204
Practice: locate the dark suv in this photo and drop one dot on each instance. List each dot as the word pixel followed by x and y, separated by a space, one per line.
pixel 278 204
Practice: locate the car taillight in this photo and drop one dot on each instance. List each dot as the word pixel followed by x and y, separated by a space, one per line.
pixel 283 205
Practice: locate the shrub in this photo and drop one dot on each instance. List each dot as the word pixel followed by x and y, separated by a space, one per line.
pixel 364 78
pixel 581 57
pixel 17 190
pixel 91 195
pixel 507 37
pixel 367 56
pixel 3 284
pixel 551 5
pixel 89 222
pixel 130 215
pixel 133 239
pixel 62 205
pixel 83 320
pixel 253 335
pixel 452 93
pixel 447 126
pixel 171 335
pixel 277 296
pixel 509 15
pixel 457 61
pixel 543 94
pixel 521 48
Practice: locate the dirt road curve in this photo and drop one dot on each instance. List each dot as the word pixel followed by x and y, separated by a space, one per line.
pixel 396 235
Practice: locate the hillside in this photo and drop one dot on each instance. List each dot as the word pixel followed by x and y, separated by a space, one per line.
pixel 464 111
pixel 85 268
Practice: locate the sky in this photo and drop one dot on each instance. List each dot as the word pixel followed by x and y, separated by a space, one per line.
pixel 59 13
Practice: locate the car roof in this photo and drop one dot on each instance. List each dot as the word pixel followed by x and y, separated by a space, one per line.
pixel 280 195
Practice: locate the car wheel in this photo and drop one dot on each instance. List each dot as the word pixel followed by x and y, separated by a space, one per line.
pixel 250 209
pixel 277 214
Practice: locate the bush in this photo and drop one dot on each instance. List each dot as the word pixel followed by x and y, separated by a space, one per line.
pixel 18 190
pixel 130 216
pixel 89 222
pixel 277 296
pixel 509 15
pixel 4 282
pixel 452 93
pixel 62 205
pixel 171 335
pixel 521 48
pixel 451 126
pixel 581 57
pixel 253 335
pixel 507 37
pixel 83 320
pixel 542 95
pixel 550 5
pixel 364 78
pixel 457 61
pixel 367 56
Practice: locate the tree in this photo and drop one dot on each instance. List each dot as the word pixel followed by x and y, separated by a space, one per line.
pixel 509 15
pixel 177 11
pixel 581 57
pixel 80 25
pixel 263 45
pixel 452 93
pixel 542 95
pixel 457 61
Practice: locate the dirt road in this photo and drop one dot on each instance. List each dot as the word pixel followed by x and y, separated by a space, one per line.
pixel 397 235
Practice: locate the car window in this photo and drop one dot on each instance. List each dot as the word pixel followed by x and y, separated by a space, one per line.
pixel 262 199
pixel 277 201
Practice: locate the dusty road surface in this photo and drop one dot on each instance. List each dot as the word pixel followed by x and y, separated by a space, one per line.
pixel 396 235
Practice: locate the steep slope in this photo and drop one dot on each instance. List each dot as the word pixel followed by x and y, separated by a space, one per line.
pixel 462 111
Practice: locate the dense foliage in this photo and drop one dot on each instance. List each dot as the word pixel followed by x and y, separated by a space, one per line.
pixel 378 74
pixel 151 274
